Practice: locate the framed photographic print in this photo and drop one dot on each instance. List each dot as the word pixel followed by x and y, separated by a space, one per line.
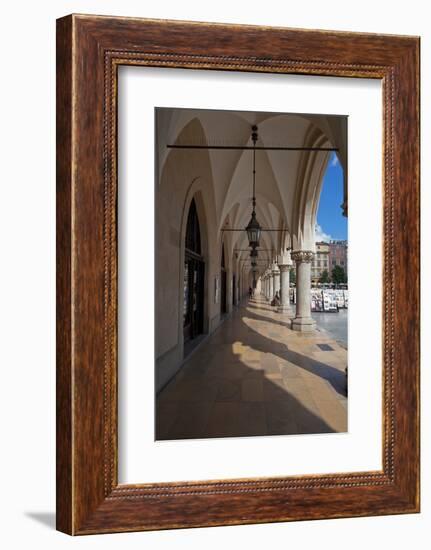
pixel 237 274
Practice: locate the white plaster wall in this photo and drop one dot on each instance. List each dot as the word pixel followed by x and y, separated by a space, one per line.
pixel 185 175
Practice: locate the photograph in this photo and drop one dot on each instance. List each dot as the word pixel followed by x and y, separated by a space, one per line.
pixel 214 240
pixel 251 273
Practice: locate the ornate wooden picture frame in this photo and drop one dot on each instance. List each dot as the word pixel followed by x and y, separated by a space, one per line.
pixel 89 51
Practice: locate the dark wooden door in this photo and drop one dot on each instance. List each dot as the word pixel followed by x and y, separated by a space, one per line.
pixel 194 273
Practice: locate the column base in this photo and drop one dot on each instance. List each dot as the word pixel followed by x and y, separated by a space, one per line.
pixel 303 324
pixel 286 310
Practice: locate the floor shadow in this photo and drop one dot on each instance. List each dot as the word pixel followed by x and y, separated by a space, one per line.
pixel 45 518
pixel 264 305
pixel 206 398
pixel 284 321
pixel 223 415
pixel 335 377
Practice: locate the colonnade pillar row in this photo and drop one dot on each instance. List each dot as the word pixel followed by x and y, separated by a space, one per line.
pixel 303 321
pixel 284 306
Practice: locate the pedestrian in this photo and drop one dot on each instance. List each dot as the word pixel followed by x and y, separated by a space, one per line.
pixel 276 299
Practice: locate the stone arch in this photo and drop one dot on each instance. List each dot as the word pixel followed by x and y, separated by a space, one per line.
pixel 179 182
pixel 306 200
pixel 196 193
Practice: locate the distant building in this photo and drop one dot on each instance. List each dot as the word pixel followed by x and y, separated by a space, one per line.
pixel 326 257
pixel 321 262
pixel 338 255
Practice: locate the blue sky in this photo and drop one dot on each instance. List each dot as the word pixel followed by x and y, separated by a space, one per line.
pixel 331 224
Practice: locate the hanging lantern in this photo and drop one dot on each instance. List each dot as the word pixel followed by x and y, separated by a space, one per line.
pixel 253 228
pixel 253 231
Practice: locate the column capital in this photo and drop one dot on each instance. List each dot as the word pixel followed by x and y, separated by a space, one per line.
pixel 285 267
pixel 303 256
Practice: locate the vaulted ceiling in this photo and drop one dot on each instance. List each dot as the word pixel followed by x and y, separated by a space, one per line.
pixel 288 183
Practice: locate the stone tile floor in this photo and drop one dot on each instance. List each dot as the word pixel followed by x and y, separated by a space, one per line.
pixel 254 376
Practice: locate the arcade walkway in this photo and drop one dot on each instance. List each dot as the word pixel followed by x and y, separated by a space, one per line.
pixel 255 376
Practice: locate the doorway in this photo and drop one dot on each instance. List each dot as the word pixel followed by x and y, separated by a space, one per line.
pixel 194 278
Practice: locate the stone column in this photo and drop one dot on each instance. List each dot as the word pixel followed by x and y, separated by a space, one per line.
pixel 285 265
pixel 276 278
pixel 285 289
pixel 303 321
pixel 271 286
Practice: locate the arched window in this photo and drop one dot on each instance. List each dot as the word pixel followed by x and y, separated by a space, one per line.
pixel 193 234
